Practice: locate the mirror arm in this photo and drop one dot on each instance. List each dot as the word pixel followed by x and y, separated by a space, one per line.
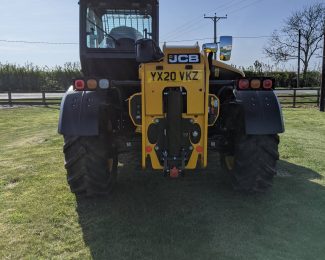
pixel 210 58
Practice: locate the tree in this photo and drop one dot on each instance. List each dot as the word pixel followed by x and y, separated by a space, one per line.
pixel 283 45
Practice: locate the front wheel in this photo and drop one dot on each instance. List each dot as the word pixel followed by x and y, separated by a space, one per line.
pixel 252 163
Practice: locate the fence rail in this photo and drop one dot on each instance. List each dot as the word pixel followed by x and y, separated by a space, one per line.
pixel 287 97
pixel 298 96
pixel 44 98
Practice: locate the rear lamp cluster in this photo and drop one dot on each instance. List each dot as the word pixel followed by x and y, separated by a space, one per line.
pixel 255 84
pixel 90 84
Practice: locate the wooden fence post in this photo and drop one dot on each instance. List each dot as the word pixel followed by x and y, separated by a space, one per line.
pixel 294 97
pixel 318 97
pixel 9 98
pixel 44 98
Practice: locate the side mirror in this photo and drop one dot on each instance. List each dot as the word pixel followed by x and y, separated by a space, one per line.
pixel 147 51
pixel 210 47
pixel 225 47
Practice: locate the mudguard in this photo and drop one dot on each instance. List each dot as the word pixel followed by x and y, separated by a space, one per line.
pixel 79 113
pixel 263 114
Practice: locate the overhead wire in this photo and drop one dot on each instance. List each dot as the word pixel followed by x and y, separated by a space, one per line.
pixel 184 40
pixel 39 42
pixel 244 7
pixel 198 25
pixel 234 37
pixel 186 24
pixel 198 20
pixel 169 41
pixel 186 27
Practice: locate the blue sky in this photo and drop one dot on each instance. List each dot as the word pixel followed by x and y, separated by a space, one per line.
pixel 57 21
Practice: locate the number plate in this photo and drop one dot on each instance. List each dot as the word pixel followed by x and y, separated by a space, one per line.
pixel 174 76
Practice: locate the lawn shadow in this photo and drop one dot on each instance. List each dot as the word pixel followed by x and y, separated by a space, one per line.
pixel 200 217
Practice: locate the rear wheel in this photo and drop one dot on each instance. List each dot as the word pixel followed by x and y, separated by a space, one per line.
pixel 252 163
pixel 91 162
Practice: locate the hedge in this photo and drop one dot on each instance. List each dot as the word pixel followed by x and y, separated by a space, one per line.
pixel 32 78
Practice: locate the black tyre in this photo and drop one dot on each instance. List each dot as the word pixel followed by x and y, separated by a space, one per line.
pixel 252 164
pixel 90 168
pixel 91 162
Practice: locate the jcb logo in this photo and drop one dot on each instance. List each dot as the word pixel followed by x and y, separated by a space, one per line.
pixel 183 58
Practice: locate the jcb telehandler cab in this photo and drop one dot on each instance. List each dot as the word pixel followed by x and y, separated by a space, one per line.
pixel 180 102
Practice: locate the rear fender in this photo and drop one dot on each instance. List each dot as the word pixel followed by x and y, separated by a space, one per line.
pixel 262 112
pixel 79 113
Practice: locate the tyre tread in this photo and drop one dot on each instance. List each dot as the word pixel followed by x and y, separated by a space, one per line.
pixel 255 162
pixel 86 164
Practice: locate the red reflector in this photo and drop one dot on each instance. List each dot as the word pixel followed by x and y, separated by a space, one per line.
pixel 174 173
pixel 148 149
pixel 243 84
pixel 79 84
pixel 199 149
pixel 267 84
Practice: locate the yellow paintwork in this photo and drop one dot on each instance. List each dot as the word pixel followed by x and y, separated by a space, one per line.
pixel 180 50
pixel 154 89
pixel 222 65
pixel 130 100
pixel 197 86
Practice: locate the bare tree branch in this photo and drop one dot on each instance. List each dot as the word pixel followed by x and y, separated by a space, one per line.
pixel 310 21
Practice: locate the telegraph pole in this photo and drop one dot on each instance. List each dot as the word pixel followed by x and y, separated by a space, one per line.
pixel 322 96
pixel 299 51
pixel 215 20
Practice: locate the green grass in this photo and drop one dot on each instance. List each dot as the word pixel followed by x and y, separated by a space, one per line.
pixel 34 101
pixel 150 217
